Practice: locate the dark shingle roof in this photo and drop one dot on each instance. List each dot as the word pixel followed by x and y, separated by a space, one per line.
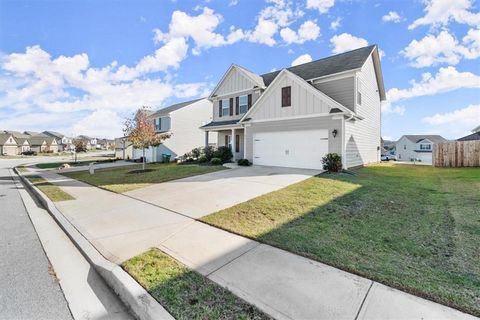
pixel 220 123
pixel 323 67
pixel 174 107
pixel 4 137
pixel 54 134
pixel 473 136
pixel 418 137
pixel 36 140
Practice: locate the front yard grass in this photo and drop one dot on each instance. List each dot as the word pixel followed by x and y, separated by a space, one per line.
pixel 22 169
pixel 131 177
pixel 83 162
pixel 185 293
pixel 416 228
pixel 50 190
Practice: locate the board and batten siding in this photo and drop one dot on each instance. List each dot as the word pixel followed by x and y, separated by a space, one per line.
pixel 234 81
pixel 362 137
pixel 313 123
pixel 341 90
pixel 303 101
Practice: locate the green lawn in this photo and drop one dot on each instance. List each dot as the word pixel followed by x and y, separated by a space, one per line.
pixel 50 190
pixel 126 179
pixel 22 169
pixel 185 293
pixel 416 228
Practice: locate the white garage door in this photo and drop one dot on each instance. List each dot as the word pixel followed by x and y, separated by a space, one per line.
pixel 297 149
pixel 425 157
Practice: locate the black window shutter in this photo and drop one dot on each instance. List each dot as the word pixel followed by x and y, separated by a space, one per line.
pixel 219 108
pixel 286 96
pixel 237 143
pixel 237 105
pixel 231 106
pixel 289 96
pixel 226 141
pixel 249 101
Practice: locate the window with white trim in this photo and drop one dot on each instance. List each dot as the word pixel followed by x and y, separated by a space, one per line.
pixel 425 146
pixel 243 104
pixel 225 107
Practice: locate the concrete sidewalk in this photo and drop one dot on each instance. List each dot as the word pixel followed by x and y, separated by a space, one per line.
pixel 280 283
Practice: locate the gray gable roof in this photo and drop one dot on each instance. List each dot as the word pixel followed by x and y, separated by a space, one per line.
pixel 473 136
pixel 4 138
pixel 54 134
pixel 334 64
pixel 417 138
pixel 169 109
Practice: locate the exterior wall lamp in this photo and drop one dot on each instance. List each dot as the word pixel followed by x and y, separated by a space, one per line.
pixel 334 133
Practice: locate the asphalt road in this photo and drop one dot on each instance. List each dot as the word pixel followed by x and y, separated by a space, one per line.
pixel 28 286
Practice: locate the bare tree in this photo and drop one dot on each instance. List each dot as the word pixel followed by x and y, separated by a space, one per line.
pixel 141 133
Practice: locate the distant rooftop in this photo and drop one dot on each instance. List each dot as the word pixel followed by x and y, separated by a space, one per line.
pixel 174 107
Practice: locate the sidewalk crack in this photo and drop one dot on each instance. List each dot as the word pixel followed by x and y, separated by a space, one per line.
pixel 363 301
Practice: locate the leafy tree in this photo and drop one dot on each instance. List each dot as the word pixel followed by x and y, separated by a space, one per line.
pixel 79 146
pixel 141 133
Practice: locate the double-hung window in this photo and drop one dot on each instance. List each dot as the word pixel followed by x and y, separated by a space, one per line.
pixel 425 146
pixel 225 107
pixel 243 104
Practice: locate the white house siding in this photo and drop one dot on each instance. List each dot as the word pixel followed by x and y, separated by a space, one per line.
pixel 362 137
pixel 234 81
pixel 406 150
pixel 9 150
pixel 303 102
pixel 341 90
pixel 334 144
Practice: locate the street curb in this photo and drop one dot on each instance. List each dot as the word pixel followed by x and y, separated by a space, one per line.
pixel 139 302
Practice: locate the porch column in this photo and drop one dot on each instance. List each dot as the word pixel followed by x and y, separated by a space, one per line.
pixel 233 145
pixel 206 139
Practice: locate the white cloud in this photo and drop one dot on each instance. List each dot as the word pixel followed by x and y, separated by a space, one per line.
pixel 387 108
pixel 100 123
pixel 233 3
pixel 466 118
pixel 200 28
pixel 309 30
pixel 346 42
pixel 335 24
pixel 447 79
pixel 392 16
pixel 441 12
pixel 278 14
pixel 304 58
pixel 321 5
pixel 443 48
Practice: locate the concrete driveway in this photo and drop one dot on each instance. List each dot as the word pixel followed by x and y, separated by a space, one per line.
pixel 204 194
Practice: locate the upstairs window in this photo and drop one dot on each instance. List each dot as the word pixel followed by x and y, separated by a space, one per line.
pixel 359 92
pixel 243 104
pixel 225 107
pixel 425 146
pixel 286 96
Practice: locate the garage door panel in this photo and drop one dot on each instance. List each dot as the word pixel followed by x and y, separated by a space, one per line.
pixel 299 149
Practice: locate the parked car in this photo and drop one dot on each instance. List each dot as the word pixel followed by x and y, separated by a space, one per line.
pixel 388 157
pixel 29 153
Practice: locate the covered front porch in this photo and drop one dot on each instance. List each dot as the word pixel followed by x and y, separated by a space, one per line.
pixel 232 137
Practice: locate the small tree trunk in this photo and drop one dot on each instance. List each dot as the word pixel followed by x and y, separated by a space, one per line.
pixel 143 160
pixel 75 156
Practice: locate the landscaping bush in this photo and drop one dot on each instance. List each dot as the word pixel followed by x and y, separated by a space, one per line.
pixel 243 162
pixel 216 161
pixel 223 153
pixel 332 162
pixel 202 158
pixel 208 152
pixel 196 152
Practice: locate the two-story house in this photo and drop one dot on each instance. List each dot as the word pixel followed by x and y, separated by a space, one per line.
pixel 64 142
pixel 417 147
pixel 182 122
pixel 293 117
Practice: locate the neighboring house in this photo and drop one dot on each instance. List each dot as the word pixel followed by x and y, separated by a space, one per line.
pixel 293 117
pixel 23 145
pixel 417 147
pixel 106 144
pixel 182 121
pixel 52 145
pixel 64 142
pixel 38 144
pixel 123 148
pixel 474 136
pixel 88 142
pixel 8 144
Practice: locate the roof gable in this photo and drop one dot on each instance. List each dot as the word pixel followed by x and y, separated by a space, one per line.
pixel 254 79
pixel 303 84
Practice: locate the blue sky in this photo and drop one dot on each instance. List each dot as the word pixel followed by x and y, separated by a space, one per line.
pixel 81 67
